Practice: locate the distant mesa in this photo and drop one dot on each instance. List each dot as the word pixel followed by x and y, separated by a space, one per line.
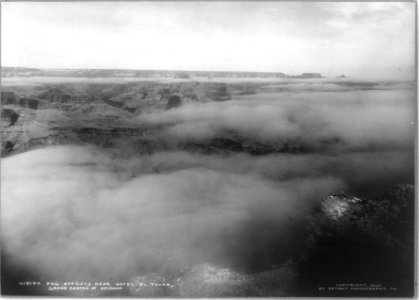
pixel 308 76
pixel 182 75
pixel 17 71
pixel 120 73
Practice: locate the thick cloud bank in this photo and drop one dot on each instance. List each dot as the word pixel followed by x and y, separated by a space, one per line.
pixel 359 119
pixel 71 215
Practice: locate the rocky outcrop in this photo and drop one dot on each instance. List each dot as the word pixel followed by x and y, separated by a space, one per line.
pixel 239 144
pixel 29 103
pixel 174 101
pixel 339 206
pixel 360 241
pixel 219 92
pixel 8 98
pixel 10 115
pixel 22 145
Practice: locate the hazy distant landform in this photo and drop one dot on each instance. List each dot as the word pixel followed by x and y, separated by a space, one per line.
pixel 214 183
pixel 106 73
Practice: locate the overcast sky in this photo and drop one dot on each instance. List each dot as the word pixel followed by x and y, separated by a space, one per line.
pixel 357 39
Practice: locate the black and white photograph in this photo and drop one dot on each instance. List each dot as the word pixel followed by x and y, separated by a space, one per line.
pixel 201 149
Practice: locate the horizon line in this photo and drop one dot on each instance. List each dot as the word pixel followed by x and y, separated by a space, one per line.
pixel 163 70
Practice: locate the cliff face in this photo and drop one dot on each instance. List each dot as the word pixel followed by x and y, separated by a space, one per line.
pixel 106 114
pixel 10 116
pixel 28 113
pixel 174 101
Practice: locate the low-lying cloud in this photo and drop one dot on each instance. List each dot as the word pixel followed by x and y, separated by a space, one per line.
pixel 359 119
pixel 80 213
pixel 70 215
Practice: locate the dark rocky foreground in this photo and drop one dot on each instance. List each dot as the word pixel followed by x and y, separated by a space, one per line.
pixel 361 241
pixel 353 247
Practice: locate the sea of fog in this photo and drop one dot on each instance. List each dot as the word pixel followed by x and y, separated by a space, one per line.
pixel 88 213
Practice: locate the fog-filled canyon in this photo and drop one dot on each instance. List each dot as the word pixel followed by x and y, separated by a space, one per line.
pixel 268 187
